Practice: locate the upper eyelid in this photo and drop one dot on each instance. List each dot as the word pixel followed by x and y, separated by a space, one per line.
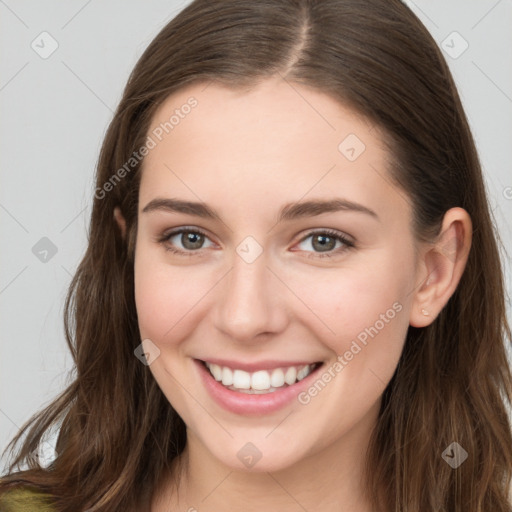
pixel 173 232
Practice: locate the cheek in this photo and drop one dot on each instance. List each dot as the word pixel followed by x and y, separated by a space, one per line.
pixel 368 312
pixel 364 314
pixel 167 298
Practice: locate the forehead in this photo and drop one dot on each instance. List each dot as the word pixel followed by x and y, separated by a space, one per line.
pixel 277 139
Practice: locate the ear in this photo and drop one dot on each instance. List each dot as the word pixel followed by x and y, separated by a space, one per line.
pixel 120 220
pixel 441 266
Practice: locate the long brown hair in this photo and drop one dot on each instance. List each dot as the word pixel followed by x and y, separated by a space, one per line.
pixel 119 434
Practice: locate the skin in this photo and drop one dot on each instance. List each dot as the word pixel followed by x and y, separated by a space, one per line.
pixel 246 154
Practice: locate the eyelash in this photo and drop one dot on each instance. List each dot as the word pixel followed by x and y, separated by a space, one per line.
pixel 348 244
pixel 338 236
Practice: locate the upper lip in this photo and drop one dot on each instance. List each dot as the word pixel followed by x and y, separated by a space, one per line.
pixel 260 365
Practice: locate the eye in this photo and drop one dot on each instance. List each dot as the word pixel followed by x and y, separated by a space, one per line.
pixel 191 240
pixel 325 242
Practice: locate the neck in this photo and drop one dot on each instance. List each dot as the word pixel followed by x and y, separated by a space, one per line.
pixel 329 480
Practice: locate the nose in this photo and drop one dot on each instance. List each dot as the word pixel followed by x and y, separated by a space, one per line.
pixel 250 302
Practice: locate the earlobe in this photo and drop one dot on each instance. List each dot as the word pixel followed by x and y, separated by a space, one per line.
pixel 120 220
pixel 442 266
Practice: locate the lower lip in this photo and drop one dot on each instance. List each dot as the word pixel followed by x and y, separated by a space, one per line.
pixel 246 404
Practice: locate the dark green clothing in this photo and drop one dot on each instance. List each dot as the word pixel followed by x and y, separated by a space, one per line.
pixel 24 500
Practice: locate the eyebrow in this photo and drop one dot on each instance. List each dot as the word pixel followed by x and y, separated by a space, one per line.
pixel 288 212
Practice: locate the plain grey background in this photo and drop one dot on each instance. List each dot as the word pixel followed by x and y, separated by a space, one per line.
pixel 63 68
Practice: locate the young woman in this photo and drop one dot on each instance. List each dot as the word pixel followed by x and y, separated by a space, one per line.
pixel 292 297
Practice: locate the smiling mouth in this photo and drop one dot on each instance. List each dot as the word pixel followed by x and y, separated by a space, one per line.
pixel 261 381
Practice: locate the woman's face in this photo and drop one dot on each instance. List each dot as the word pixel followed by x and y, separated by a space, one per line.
pixel 294 254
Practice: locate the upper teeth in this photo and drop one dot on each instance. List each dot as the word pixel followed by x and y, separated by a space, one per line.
pixel 262 379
